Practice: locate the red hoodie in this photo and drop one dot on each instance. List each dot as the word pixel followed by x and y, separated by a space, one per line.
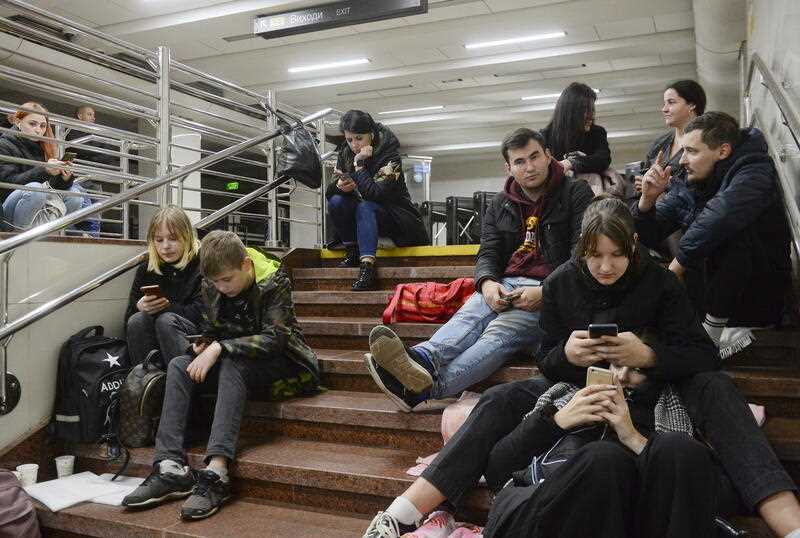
pixel 528 260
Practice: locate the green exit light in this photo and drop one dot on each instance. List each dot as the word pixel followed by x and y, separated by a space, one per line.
pixel 232 186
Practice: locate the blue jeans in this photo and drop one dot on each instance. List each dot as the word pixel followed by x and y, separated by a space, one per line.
pixel 359 220
pixel 21 206
pixel 477 341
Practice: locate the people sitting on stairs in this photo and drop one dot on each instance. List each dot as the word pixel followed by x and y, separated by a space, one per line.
pixel 734 252
pixel 251 347
pixel 23 209
pixel 621 459
pixel 528 230
pixel 369 198
pixel 609 280
pixel 163 314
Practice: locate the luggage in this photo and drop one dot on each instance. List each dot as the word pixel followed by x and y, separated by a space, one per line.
pixel 140 403
pixel 428 302
pixel 91 371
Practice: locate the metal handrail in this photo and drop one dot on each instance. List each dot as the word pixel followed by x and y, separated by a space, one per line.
pixel 73 218
pixel 790 119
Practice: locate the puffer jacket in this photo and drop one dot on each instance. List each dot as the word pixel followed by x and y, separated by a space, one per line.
pixel 392 194
pixel 22 174
pixel 502 229
pixel 180 286
pixel 276 328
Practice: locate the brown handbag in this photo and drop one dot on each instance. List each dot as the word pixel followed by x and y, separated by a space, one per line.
pixel 140 402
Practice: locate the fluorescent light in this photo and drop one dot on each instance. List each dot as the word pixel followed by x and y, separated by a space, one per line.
pixel 419 109
pixel 513 40
pixel 304 68
pixel 549 95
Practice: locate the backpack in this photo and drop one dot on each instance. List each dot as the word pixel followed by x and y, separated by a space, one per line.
pixel 140 403
pixel 91 371
pixel 428 302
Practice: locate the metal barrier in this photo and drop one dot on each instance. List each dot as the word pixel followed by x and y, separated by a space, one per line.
pixel 166 96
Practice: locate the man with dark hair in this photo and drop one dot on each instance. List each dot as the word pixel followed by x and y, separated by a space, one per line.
pixel 736 237
pixel 528 230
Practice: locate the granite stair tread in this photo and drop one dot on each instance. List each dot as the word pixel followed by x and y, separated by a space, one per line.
pixel 351 468
pixel 342 297
pixel 335 273
pixel 240 517
pixel 361 326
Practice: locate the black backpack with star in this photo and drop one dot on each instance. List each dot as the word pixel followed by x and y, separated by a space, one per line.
pixel 91 371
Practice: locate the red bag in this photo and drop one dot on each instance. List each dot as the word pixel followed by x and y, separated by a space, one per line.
pixel 428 302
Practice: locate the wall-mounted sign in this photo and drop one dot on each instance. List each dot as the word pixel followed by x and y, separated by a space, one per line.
pixel 334 15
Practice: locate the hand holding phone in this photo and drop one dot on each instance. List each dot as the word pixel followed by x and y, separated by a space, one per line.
pixel 152 291
pixel 598 330
pixel 509 297
pixel 599 376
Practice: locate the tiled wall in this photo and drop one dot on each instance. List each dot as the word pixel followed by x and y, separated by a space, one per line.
pixel 40 272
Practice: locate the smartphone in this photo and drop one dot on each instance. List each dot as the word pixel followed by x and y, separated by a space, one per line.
pixel 509 297
pixel 197 338
pixel 69 156
pixel 596 330
pixel 153 290
pixel 598 376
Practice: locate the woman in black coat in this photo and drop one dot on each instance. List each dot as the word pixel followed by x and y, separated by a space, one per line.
pixel 574 139
pixel 369 197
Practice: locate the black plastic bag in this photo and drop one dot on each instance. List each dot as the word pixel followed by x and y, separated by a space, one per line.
pixel 299 158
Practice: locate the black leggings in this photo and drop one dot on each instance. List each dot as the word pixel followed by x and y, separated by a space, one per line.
pixel 673 489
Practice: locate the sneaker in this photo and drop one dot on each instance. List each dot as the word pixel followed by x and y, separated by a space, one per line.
pixel 403 363
pixel 208 495
pixel 404 399
pixel 384 525
pixel 160 487
pixel 733 340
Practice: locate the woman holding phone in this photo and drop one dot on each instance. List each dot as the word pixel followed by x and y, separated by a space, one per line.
pixel 368 197
pixel 22 208
pixel 165 303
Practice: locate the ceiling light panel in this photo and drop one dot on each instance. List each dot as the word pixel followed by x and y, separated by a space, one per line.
pixel 514 40
pixel 332 65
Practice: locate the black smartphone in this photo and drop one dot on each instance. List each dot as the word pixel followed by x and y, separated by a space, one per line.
pixel 198 338
pixel 596 330
pixel 511 296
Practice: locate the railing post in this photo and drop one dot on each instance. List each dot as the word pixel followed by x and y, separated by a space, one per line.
pixel 320 211
pixel 124 166
pixel 273 224
pixel 9 384
pixel 743 85
pixel 164 140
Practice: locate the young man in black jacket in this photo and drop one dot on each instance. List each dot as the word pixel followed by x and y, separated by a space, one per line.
pixel 735 248
pixel 528 230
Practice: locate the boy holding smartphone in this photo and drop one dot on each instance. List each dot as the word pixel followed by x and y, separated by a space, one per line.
pixel 251 341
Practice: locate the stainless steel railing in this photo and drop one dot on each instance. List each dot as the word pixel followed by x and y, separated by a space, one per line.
pixel 789 118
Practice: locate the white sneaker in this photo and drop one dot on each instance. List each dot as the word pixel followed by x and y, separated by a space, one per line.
pixel 733 340
pixel 383 525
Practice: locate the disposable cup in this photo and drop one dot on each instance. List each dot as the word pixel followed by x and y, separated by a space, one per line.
pixel 65 465
pixel 18 475
pixel 28 472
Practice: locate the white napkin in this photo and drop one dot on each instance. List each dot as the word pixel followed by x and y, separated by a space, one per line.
pixel 127 485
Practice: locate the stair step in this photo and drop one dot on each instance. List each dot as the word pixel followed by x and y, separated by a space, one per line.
pixel 341 278
pixel 240 517
pixel 353 332
pixel 331 302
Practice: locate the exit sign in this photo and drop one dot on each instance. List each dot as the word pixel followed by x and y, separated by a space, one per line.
pixel 334 15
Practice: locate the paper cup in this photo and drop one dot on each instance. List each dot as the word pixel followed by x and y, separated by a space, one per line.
pixel 65 465
pixel 28 473
pixel 18 475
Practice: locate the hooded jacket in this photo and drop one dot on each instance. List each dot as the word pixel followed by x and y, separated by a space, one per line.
pixel 272 328
pixel 22 174
pixel 392 194
pixel 503 229
pixel 741 201
pixel 180 286
pixel 648 300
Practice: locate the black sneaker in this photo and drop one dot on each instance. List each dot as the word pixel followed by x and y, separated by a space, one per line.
pixel 367 278
pixel 402 398
pixel 351 258
pixel 402 362
pixel 208 495
pixel 160 487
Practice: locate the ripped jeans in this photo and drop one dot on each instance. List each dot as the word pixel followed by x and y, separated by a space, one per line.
pixel 477 341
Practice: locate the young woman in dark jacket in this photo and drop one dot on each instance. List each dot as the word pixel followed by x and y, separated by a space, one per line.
pixel 22 208
pixel 368 197
pixel 573 138
pixel 160 320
